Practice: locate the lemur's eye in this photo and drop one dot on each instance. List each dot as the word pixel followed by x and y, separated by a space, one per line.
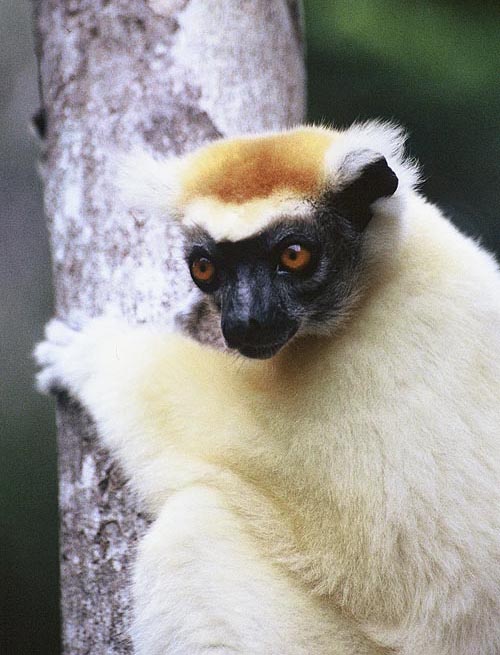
pixel 295 258
pixel 203 270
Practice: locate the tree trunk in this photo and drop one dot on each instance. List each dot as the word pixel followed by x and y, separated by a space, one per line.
pixel 168 74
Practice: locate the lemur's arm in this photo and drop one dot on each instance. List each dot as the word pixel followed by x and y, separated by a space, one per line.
pixel 148 393
pixel 202 583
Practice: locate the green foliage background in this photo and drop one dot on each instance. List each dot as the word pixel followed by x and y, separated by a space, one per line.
pixel 431 66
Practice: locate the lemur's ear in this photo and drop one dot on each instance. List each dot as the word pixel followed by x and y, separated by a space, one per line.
pixel 366 163
pixel 375 180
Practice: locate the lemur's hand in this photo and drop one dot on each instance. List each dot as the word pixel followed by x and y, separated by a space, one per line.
pixel 75 350
pixel 51 356
pixel 65 353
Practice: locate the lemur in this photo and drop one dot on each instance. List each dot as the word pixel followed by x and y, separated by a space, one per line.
pixel 331 484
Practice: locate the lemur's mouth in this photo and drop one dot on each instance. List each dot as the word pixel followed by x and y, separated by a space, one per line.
pixel 260 352
pixel 264 350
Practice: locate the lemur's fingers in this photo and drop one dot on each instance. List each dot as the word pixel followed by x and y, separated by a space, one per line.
pixel 59 332
pixel 58 335
pixel 50 355
pixel 48 381
pixel 56 355
pixel 43 353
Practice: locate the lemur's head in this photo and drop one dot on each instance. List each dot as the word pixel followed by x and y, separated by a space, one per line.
pixel 275 225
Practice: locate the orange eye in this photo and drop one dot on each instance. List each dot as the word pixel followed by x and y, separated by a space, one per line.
pixel 295 258
pixel 202 270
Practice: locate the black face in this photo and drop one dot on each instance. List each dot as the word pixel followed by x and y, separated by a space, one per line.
pixel 298 275
pixel 270 286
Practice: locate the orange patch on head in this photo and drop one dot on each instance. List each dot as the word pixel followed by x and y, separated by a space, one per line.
pixel 235 171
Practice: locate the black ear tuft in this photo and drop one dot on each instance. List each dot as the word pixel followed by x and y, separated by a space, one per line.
pixel 375 180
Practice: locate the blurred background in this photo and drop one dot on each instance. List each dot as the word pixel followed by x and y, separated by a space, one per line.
pixel 432 66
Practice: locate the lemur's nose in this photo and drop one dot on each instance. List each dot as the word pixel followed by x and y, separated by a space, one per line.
pixel 253 329
pixel 238 332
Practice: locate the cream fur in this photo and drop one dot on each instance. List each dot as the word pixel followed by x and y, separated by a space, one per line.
pixel 342 498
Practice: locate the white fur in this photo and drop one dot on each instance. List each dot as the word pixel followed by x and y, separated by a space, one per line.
pixel 231 219
pixel 362 143
pixel 342 498
pixel 146 181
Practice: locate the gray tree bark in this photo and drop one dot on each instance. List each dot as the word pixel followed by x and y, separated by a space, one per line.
pixel 170 75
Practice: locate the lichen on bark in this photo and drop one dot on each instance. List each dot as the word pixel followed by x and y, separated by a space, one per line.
pixel 168 75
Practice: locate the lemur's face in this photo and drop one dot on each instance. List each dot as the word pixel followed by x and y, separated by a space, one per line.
pixel 298 274
pixel 295 276
pixel 274 224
